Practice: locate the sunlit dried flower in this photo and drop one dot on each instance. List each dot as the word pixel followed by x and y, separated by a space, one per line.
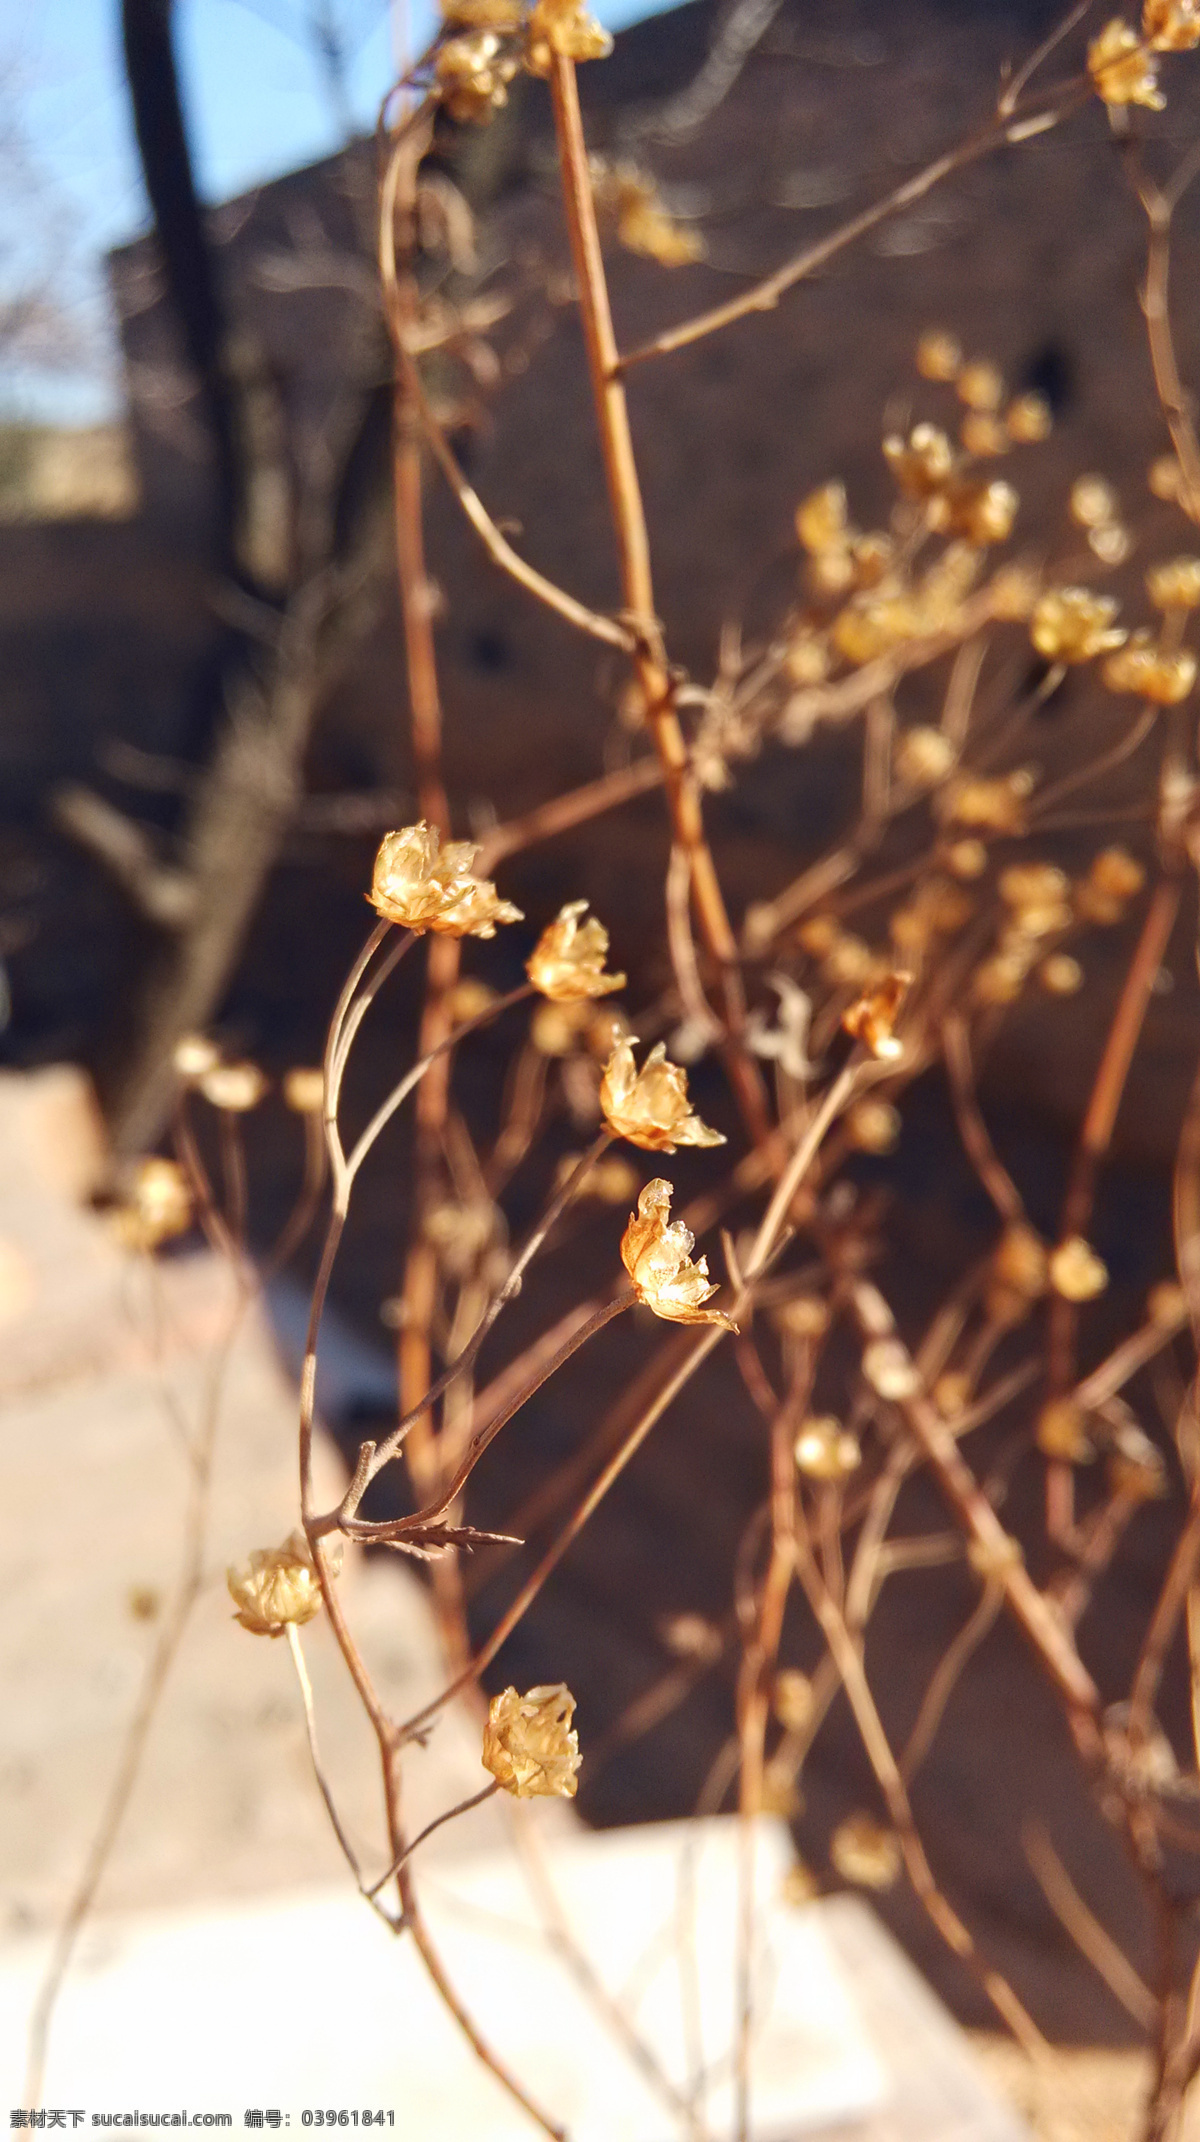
pixel 690 1636
pixel 1028 419
pixel 1000 979
pixel 980 385
pixel 805 1316
pixel 650 1106
pixel 1076 1272
pixel 792 1699
pixel 568 959
pixel 807 659
pixel 644 223
pixel 195 1054
pixel 966 858
pixel 529 1744
pixel 1171 25
pixel 157 1208
pixel 1074 625
pixel 1163 675
pixel 1115 872
pixel 565 27
pixel 873 1126
pixel 1111 542
pixel 236 1088
pixel 1092 502
pixel 890 1370
pixel 1021 1261
pixel 1031 884
pixel 924 756
pixel 1166 1303
pixel 425 883
pixel 469 999
pixel 277 1585
pixel 472 74
pixel 997 804
pixel 864 1853
pixel 939 355
pixel 1165 479
pixel 951 1392
pixel 825 1450
pixel 1012 592
pixel 819 934
pixel 1060 975
pixel 821 519
pixel 983 434
pixel 872 1019
pixel 1061 1433
pixel 922 464
pixel 656 1251
pixel 1174 584
pixel 304 1090
pixel 1122 70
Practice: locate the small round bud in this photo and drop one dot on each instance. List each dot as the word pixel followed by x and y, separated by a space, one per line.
pixel 890 1369
pixel 233 1088
pixel 939 355
pixel 194 1055
pixel 924 756
pixel 1060 975
pixel 304 1090
pixel 792 1699
pixel 1028 419
pixel 1076 1272
pixel 980 385
pixel 1060 1433
pixel 873 1126
pixel 824 1450
pixel 1093 502
pixel 864 1853
pixel 966 858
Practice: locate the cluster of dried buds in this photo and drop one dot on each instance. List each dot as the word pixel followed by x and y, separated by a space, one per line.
pixel 491 41
pixel 1123 62
pixel 529 1744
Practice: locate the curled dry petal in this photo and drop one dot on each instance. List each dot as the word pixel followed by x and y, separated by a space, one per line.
pixel 277 1585
pixel 529 1744
pixel 425 883
pixel 568 959
pixel 650 1106
pixel 656 1251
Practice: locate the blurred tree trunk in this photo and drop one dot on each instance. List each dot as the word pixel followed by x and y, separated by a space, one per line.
pixel 289 557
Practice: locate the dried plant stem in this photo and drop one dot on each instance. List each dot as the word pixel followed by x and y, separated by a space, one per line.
pixel 561 814
pixel 476 1799
pixel 1007 126
pixel 942 1685
pixel 629 523
pixel 1090 1938
pixel 875 1742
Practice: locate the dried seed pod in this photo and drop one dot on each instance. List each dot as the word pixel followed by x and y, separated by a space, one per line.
pixel 656 1251
pixel 1165 479
pixel 194 1055
pixel 1021 1261
pixel 304 1089
pixel 1122 70
pixel 939 355
pixel 822 521
pixel 825 1450
pixel 1061 1433
pixel 983 434
pixel 1074 625
pixel 1116 873
pixel 792 1699
pixel 1076 1272
pixel 865 1853
pixel 1093 502
pixel 565 27
pixel 1060 975
pixel 980 385
pixel 234 1088
pixel 1028 419
pixel 529 1744
pixel 425 883
pixel 805 1316
pixel 890 1370
pixel 923 756
pixel 1135 1465
pixel 1171 25
pixel 1174 584
pixel 469 999
pixel 873 1126
pixel 966 858
pixel 650 1106
pixel 568 959
pixel 156 1208
pixel 1166 1303
pixel 690 1636
pixel 278 1586
pixel 997 804
pixel 1163 675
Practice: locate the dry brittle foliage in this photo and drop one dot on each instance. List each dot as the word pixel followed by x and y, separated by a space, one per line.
pixel 937 635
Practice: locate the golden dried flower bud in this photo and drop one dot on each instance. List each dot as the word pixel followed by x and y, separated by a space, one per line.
pixel 939 355
pixel 792 1699
pixel 690 1636
pixel 650 1106
pixel 819 935
pixel 1076 1272
pixel 1135 1465
pixel 807 659
pixel 1074 625
pixel 194 1055
pixel 469 999
pixel 824 1450
pixel 529 1744
pixel 923 756
pixel 1093 502
pixel 1000 980
pixel 890 1369
pixel 425 883
pixel 568 959
pixel 805 1316
pixel 997 804
pixel 472 73
pixel 1021 1261
pixel 1028 419
pixel 1164 478
pixel 983 435
pixel 1060 975
pixel 873 1126
pixel 1061 1433
pixel 235 1088
pixel 656 1251
pixel 1111 542
pixel 864 1853
pixel 923 464
pixel 1122 71
pixel 993 1560
pixel 1171 25
pixel 872 1020
pixel 1174 584
pixel 558 1029
pixel 1162 675
pixel 611 1181
pixel 966 858
pixel 984 513
pixel 304 1089
pixel 565 27
pixel 1032 884
pixel 1116 873
pixel 1166 1303
pixel 821 519
pixel 277 1585
pixel 1013 592
pixel 980 385
pixel 157 1208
